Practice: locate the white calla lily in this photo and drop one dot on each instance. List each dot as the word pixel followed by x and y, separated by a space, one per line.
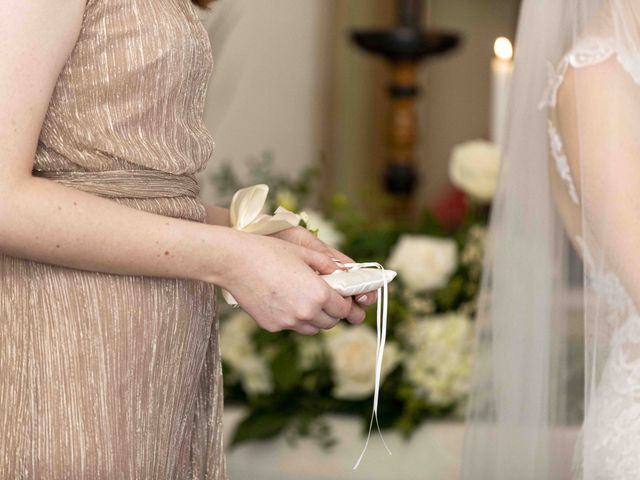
pixel 247 204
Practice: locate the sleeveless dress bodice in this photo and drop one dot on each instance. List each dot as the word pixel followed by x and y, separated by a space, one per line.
pixel 131 95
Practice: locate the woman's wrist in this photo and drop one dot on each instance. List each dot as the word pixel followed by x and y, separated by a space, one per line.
pixel 223 251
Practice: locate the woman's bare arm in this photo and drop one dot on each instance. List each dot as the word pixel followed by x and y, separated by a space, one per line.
pixel 47 222
pixel 44 221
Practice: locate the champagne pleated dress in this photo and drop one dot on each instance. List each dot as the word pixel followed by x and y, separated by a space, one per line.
pixel 111 376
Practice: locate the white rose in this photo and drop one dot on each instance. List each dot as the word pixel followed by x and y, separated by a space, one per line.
pixel 327 232
pixel 424 263
pixel 439 367
pixel 353 357
pixel 474 168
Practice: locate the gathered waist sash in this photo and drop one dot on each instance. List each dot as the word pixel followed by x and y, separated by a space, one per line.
pixel 127 183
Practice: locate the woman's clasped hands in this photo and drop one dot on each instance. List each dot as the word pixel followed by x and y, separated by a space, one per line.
pixel 276 280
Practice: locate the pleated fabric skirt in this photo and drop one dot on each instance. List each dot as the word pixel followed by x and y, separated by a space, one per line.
pixel 110 376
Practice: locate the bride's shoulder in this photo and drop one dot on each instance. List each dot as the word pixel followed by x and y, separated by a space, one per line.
pixel 597 59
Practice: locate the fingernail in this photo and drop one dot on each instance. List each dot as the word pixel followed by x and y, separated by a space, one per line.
pixel 363 298
pixel 339 264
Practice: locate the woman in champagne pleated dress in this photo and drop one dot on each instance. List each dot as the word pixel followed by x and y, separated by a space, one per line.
pixel 109 355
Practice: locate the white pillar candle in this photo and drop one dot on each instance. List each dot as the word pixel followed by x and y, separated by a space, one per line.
pixel 501 71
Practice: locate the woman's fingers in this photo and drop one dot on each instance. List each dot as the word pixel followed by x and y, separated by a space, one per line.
pixel 321 263
pixel 324 321
pixel 338 255
pixel 356 314
pixel 335 305
pixel 307 329
pixel 304 238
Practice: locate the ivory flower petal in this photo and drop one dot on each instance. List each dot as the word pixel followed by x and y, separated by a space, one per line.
pixel 247 205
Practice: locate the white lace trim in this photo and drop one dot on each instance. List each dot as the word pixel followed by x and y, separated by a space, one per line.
pixel 608 286
pixel 589 51
pixel 562 164
pixel 612 423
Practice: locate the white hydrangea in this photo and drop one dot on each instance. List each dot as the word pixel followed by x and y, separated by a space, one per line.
pixel 423 262
pixel 474 168
pixel 327 232
pixel 310 351
pixel 237 350
pixel 353 357
pixel 473 251
pixel 255 376
pixel 235 338
pixel 472 254
pixel 439 365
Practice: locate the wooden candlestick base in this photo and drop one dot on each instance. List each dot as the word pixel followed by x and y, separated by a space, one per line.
pixel 404 47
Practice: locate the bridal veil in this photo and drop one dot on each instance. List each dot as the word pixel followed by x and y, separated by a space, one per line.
pixel 556 391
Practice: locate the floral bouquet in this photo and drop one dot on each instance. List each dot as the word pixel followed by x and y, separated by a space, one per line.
pixel 287 382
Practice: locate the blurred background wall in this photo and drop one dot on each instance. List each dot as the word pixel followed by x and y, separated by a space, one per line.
pixel 271 83
pixel 288 81
pixel 456 100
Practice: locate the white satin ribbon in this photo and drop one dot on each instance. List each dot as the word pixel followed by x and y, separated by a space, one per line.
pixel 381 329
pixel 246 215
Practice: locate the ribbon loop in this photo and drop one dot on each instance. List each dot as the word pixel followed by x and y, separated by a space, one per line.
pixel 381 329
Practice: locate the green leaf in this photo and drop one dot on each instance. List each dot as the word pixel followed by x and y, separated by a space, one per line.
pixel 448 296
pixel 429 225
pixel 260 426
pixel 284 367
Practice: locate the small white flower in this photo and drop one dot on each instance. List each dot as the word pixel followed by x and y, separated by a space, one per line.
pixel 310 350
pixel 474 168
pixel 421 306
pixel 235 338
pixel 439 367
pixel 327 232
pixel 255 376
pixel 353 357
pixel 474 246
pixel 422 262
